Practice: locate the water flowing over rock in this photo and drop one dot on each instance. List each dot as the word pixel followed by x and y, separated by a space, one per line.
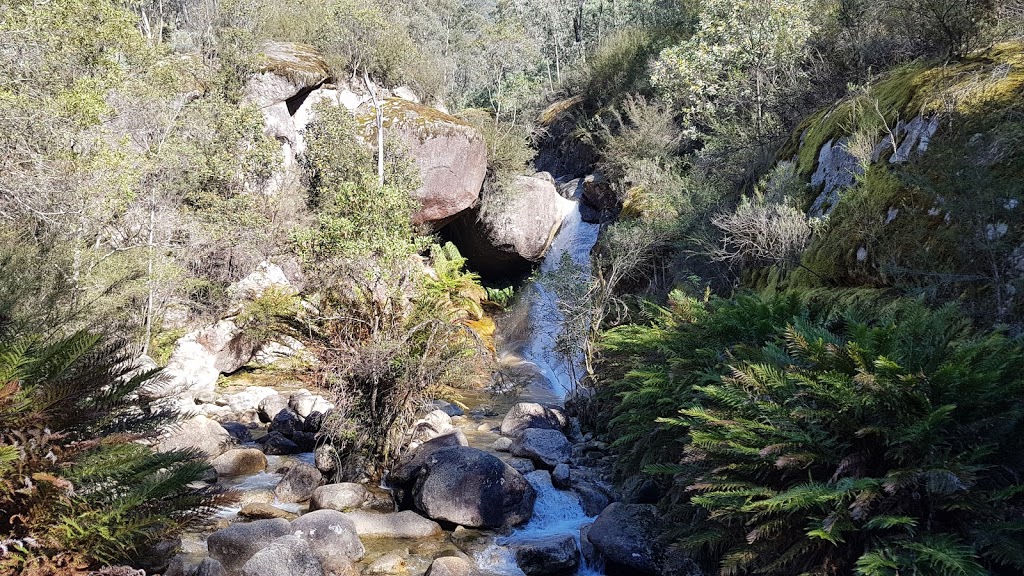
pixel 467 486
pixel 515 231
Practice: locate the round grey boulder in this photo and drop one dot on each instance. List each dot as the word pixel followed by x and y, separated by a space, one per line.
pixel 234 545
pixel 329 533
pixel 340 497
pixel 532 415
pixel 298 483
pixel 548 556
pixel 545 448
pixel 625 535
pixel 470 487
pixel 285 556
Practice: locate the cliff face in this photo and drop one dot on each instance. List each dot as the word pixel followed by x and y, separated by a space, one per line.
pixel 920 180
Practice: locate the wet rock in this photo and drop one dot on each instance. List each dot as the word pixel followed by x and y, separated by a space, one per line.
pixel 502 444
pixel 258 511
pixel 548 556
pixel 522 465
pixel 238 431
pixel 329 533
pixel 404 524
pixel 240 462
pixel 285 556
pixel 199 433
pixel 234 545
pixel 270 406
pixel 545 448
pixel 298 483
pixel 392 563
pixel 286 422
pixel 532 415
pixel 451 566
pixel 625 535
pixel 593 500
pixel 446 407
pixel 276 444
pixel 467 486
pixel 340 497
pixel 587 550
pixel 561 477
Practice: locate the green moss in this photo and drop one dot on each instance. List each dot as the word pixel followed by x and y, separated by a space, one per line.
pixel 300 63
pixel 425 121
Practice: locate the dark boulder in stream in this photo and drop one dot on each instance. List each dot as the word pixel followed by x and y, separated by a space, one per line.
pixel 469 487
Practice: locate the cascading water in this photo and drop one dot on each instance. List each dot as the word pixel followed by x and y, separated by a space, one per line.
pixel 560 360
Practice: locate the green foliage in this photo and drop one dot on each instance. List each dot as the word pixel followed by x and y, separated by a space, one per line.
pixel 822 439
pixel 270 314
pixel 77 480
pixel 509 151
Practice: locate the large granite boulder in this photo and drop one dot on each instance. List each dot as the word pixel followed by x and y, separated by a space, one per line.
pixel 451 156
pixel 196 433
pixel 330 533
pixel 404 524
pixel 467 486
pixel 626 536
pixel 298 483
pixel 287 70
pixel 341 497
pixel 513 231
pixel 548 556
pixel 545 448
pixel 285 556
pixel 532 415
pixel 234 545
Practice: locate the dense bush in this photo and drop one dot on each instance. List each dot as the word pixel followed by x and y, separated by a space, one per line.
pixel 828 439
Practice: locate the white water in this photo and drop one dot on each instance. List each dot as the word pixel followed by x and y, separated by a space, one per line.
pixel 555 512
pixel 568 265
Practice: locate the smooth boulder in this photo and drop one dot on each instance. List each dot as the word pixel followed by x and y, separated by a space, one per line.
pixel 330 534
pixel 545 448
pixel 199 433
pixel 298 483
pixel 234 545
pixel 405 524
pixel 240 462
pixel 285 556
pixel 341 497
pixel 548 556
pixel 625 535
pixel 467 486
pixel 532 415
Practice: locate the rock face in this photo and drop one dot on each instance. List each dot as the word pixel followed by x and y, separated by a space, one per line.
pixel 516 229
pixel 532 415
pixel 548 556
pixel 329 533
pixel 625 536
pixel 298 483
pixel 285 556
pixel 545 448
pixel 404 524
pixel 239 462
pixel 466 486
pixel 198 432
pixel 234 545
pixel 450 154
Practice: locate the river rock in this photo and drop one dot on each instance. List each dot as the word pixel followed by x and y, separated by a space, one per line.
pixel 270 406
pixel 514 231
pixel 548 556
pixel 409 465
pixel 240 462
pixel 393 563
pixel 532 415
pixel 446 407
pixel 304 402
pixel 451 156
pixel 561 476
pixel 276 444
pixel 625 535
pixel 451 566
pixel 502 444
pixel 286 422
pixel 313 422
pixel 467 486
pixel 259 511
pixel 330 533
pixel 340 497
pixel 545 448
pixel 182 565
pixel 234 545
pixel 256 497
pixel 326 457
pixel 285 556
pixel 238 431
pixel 198 433
pixel 522 465
pixel 593 500
pixel 404 524
pixel 298 483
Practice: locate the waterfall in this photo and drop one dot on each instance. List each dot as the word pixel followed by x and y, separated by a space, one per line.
pixel 565 268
